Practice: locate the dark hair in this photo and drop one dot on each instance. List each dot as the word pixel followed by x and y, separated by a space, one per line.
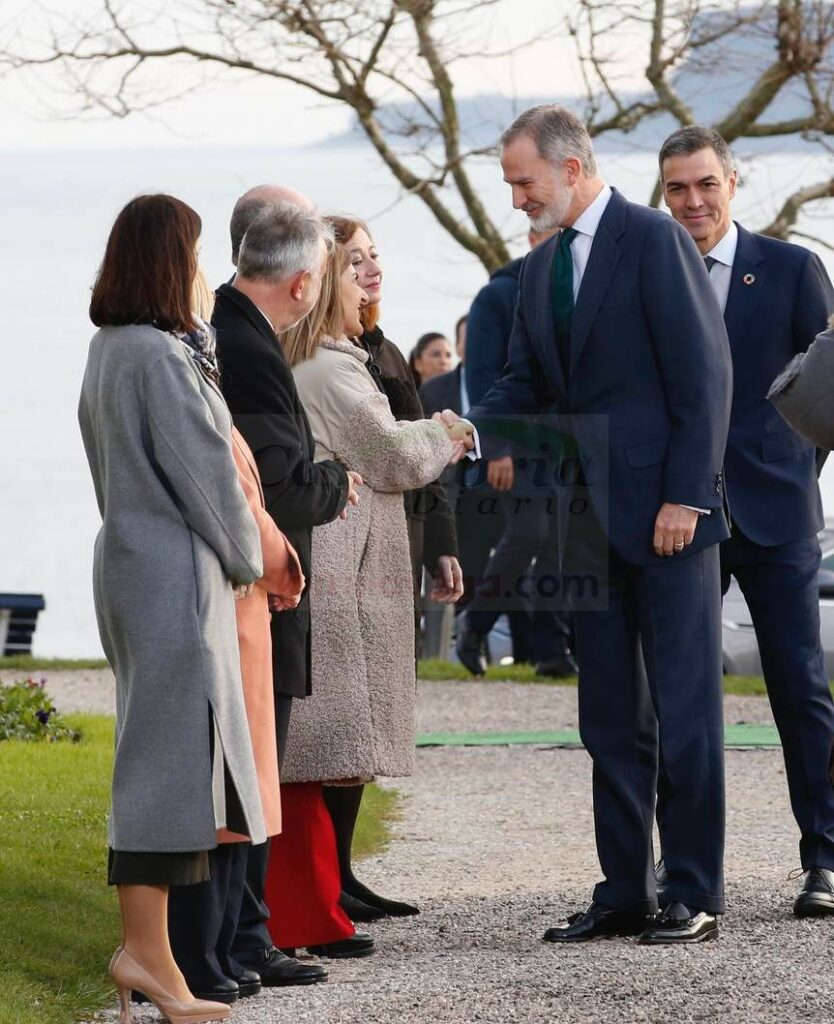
pixel 460 322
pixel 344 228
pixel 149 266
pixel 423 343
pixel 692 139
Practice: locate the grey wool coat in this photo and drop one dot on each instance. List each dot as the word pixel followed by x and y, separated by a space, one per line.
pixel 359 721
pixel 176 532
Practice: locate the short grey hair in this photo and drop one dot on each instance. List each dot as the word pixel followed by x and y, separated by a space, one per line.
pixel 692 139
pixel 557 133
pixel 282 242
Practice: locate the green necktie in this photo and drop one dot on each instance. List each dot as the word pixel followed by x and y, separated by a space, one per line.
pixel 562 295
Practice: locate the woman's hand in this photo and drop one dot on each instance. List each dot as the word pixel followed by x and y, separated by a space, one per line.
pixel 277 603
pixel 354 483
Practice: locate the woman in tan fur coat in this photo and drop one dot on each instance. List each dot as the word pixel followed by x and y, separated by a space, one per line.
pixel 359 721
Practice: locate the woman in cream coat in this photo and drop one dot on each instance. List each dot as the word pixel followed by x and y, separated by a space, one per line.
pixel 359 721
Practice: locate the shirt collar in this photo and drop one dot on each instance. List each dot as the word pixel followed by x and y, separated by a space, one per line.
pixel 724 251
pixel 588 221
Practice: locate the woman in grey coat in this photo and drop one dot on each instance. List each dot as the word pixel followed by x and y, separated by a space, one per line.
pixel 177 538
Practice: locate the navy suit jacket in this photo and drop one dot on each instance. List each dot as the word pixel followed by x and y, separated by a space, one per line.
pixel 442 392
pixel 439 393
pixel 770 470
pixel 647 398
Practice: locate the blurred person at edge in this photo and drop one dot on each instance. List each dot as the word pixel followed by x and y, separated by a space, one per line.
pixel 522 519
pixel 776 296
pixel 431 535
pixel 359 721
pixel 431 356
pixel 202 919
pixel 157 435
pixel 279 247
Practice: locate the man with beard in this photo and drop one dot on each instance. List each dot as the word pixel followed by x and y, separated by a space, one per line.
pixel 617 332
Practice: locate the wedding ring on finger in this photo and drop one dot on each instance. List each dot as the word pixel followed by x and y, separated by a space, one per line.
pixel 679 545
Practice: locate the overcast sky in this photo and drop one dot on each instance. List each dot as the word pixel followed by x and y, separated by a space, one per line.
pixel 255 110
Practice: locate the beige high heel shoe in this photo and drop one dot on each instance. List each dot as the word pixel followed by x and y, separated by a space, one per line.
pixel 128 974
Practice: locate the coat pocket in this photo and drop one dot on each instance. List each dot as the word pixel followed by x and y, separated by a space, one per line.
pixel 644 455
pixel 782 446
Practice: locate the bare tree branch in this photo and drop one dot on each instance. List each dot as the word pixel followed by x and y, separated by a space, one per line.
pixel 782 224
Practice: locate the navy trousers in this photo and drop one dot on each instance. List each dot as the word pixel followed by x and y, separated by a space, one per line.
pixel 539 622
pixel 672 612
pixel 780 587
pixel 252 933
pixel 202 920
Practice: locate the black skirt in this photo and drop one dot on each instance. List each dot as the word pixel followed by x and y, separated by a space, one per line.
pixel 125 868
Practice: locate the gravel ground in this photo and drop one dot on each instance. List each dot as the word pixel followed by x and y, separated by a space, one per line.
pixel 496 844
pixel 441 707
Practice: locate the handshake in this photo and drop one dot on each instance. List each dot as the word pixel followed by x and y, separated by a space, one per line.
pixel 459 431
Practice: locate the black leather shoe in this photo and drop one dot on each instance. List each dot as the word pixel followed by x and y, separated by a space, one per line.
pixel 380 905
pixel 597 922
pixel 359 944
pixel 248 983
pixel 276 968
pixel 558 668
pixel 816 897
pixel 224 992
pixel 359 910
pixel 678 924
pixel 471 650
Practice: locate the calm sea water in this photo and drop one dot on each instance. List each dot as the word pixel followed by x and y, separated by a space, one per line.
pixel 56 211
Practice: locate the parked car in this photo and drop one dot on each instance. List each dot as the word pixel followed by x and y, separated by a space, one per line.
pixel 741 651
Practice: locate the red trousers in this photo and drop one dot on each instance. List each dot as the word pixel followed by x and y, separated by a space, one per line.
pixel 303 883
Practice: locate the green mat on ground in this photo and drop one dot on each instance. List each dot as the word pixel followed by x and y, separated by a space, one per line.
pixel 738 736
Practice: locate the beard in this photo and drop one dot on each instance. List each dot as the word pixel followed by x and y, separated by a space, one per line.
pixel 553 215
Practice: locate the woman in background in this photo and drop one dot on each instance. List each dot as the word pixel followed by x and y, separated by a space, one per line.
pixel 431 356
pixel 431 534
pixel 177 538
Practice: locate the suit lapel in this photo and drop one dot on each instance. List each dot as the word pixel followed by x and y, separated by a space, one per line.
pixel 746 284
pixel 605 255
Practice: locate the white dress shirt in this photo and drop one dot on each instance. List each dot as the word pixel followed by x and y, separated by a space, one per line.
pixel 586 225
pixel 464 397
pixel 724 254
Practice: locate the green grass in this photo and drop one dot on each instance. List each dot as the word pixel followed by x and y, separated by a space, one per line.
pixel 437 670
pixel 26 663
pixel 58 919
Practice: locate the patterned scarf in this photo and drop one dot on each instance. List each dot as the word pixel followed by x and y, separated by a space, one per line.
pixel 201 346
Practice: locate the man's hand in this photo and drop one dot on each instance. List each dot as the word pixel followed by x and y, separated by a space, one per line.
pixel 500 473
pixel 448 580
pixel 354 481
pixel 459 430
pixel 674 529
pixel 282 604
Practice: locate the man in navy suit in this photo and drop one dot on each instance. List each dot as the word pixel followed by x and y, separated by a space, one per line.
pixel 776 297
pixel 617 330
